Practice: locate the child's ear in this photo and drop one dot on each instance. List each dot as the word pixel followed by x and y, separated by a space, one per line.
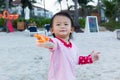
pixel 51 30
pixel 72 29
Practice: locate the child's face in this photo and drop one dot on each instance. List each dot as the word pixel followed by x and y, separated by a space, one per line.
pixel 61 26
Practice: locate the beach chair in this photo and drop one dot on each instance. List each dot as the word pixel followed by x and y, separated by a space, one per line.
pixel 47 29
pixel 32 30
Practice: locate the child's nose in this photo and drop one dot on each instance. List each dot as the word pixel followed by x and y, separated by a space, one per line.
pixel 62 26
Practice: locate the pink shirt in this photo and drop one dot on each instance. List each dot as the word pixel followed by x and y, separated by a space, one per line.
pixel 62 61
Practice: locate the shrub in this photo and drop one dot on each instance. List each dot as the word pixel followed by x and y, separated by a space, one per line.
pixel 111 25
pixel 82 22
pixel 40 21
pixel 2 22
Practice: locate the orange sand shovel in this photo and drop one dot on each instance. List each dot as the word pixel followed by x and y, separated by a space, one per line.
pixel 41 38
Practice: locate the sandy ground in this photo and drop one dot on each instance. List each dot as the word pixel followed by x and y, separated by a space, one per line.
pixel 21 59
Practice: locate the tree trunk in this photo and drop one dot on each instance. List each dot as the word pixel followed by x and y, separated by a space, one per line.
pixel 67 4
pixel 44 10
pixel 76 24
pixel 7 7
pixel 60 6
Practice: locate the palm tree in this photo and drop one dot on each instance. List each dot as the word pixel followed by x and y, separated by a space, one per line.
pixel 2 5
pixel 67 4
pixel 109 9
pixel 83 4
pixel 84 7
pixel 76 24
pixel 59 1
pixel 26 3
pixel 44 9
pixel 5 4
pixel 117 8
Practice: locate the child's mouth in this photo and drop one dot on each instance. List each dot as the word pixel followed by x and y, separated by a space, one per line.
pixel 62 30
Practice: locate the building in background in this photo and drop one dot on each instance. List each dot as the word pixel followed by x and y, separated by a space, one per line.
pixel 38 9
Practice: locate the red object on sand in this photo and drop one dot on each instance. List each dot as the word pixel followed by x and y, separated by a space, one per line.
pixel 8 16
pixel 9 26
pixel 15 16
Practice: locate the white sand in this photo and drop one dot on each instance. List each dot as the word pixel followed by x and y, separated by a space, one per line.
pixel 21 59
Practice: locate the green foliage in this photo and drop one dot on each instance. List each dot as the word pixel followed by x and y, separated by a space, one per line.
pixel 40 22
pixel 3 5
pixel 2 22
pixel 109 9
pixel 20 19
pixel 44 21
pixel 82 22
pixel 111 25
pixel 14 23
pixel 31 20
pixel 83 2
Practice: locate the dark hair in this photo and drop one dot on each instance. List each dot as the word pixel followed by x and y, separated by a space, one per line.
pixel 62 13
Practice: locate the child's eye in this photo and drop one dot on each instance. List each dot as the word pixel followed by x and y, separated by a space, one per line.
pixel 66 24
pixel 58 24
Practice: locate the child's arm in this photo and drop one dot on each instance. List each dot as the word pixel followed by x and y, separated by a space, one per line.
pixel 88 59
pixel 44 41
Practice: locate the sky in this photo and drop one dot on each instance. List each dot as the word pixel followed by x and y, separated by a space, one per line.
pixel 55 7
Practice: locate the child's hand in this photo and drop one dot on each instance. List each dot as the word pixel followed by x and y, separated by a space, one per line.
pixel 95 56
pixel 41 38
pixel 43 41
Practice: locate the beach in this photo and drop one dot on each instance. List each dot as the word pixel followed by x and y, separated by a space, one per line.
pixel 21 59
